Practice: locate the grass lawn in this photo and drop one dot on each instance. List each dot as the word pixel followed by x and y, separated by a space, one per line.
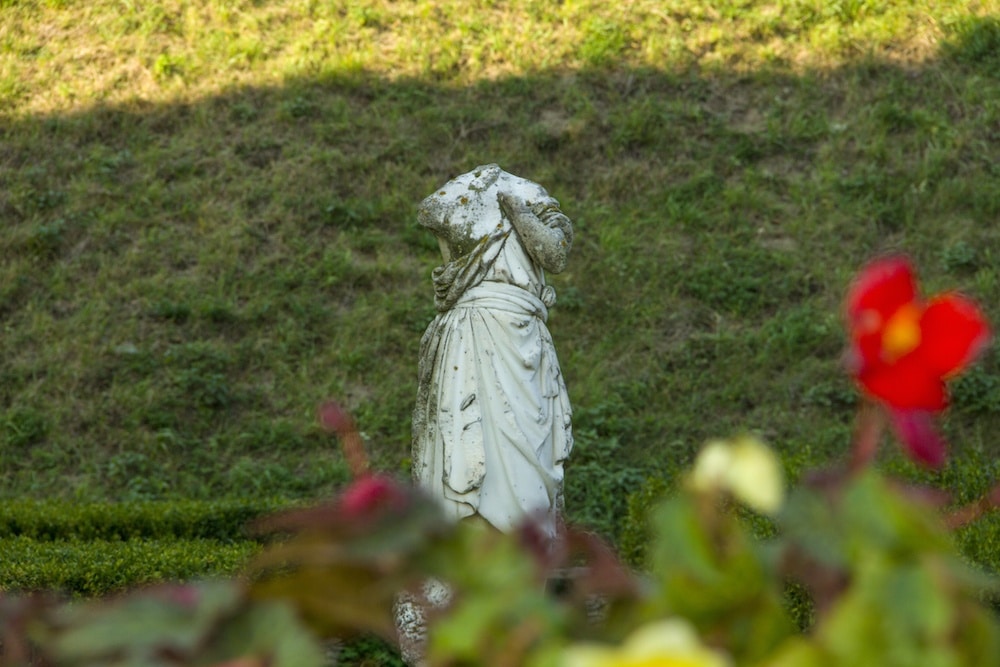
pixel 207 224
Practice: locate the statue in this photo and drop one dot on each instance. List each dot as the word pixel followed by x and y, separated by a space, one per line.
pixel 491 427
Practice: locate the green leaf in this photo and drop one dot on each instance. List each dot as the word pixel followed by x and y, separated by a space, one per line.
pixel 337 600
pixel 681 542
pixel 861 631
pixel 143 625
pixel 878 516
pixel 707 569
pixel 810 522
pixel 500 605
pixel 270 631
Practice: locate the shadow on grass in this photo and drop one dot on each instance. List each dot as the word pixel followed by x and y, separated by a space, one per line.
pixel 182 283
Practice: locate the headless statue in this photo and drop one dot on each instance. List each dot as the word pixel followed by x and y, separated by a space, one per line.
pixel 491 427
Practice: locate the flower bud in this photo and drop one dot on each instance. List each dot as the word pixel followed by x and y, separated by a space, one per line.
pixel 746 468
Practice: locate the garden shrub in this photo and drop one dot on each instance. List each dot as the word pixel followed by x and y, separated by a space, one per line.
pixel 222 521
pixel 97 567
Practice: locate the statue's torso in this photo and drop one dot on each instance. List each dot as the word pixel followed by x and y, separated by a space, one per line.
pixel 465 210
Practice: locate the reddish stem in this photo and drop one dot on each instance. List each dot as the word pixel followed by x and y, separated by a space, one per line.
pixel 354 452
pixel 336 419
pixel 866 436
pixel 974 510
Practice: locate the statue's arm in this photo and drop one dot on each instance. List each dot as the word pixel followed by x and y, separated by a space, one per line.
pixel 546 232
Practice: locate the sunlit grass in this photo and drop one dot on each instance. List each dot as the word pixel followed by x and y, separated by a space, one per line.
pixel 68 55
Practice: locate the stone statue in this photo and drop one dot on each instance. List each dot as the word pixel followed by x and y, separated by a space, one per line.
pixel 491 427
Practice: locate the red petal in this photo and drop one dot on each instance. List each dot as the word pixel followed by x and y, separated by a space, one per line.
pixel 906 384
pixel 865 351
pixel 953 332
pixel 882 286
pixel 915 429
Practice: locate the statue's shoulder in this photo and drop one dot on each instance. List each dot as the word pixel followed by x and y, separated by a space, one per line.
pixel 465 209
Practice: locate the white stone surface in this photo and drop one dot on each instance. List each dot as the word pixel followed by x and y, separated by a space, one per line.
pixel 411 618
pixel 491 426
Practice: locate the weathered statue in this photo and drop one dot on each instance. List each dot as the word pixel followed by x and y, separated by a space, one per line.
pixel 491 427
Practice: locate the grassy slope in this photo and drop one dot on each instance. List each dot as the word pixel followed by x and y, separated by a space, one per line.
pixel 208 223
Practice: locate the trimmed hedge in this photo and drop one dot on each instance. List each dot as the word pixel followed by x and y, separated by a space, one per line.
pixel 223 521
pixel 97 567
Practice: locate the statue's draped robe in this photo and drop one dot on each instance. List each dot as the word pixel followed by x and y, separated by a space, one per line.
pixel 492 427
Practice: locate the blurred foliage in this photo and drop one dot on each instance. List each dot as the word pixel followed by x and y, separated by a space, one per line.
pixel 871 556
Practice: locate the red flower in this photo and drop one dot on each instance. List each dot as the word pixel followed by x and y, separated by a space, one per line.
pixel 371 493
pixel 903 349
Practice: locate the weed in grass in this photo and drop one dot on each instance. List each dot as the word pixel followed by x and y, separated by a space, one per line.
pixel 259 479
pixel 604 40
pixel 168 310
pixel 133 476
pixel 167 66
pixel 298 108
pixel 801 332
pixel 959 256
pixel 831 394
pixel 22 428
pixel 45 241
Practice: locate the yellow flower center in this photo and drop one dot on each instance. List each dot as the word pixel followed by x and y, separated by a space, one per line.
pixel 902 332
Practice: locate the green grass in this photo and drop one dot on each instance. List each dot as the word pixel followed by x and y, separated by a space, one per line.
pixel 207 224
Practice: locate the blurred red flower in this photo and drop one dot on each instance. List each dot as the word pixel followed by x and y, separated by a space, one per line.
pixel 334 418
pixel 370 494
pixel 903 349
